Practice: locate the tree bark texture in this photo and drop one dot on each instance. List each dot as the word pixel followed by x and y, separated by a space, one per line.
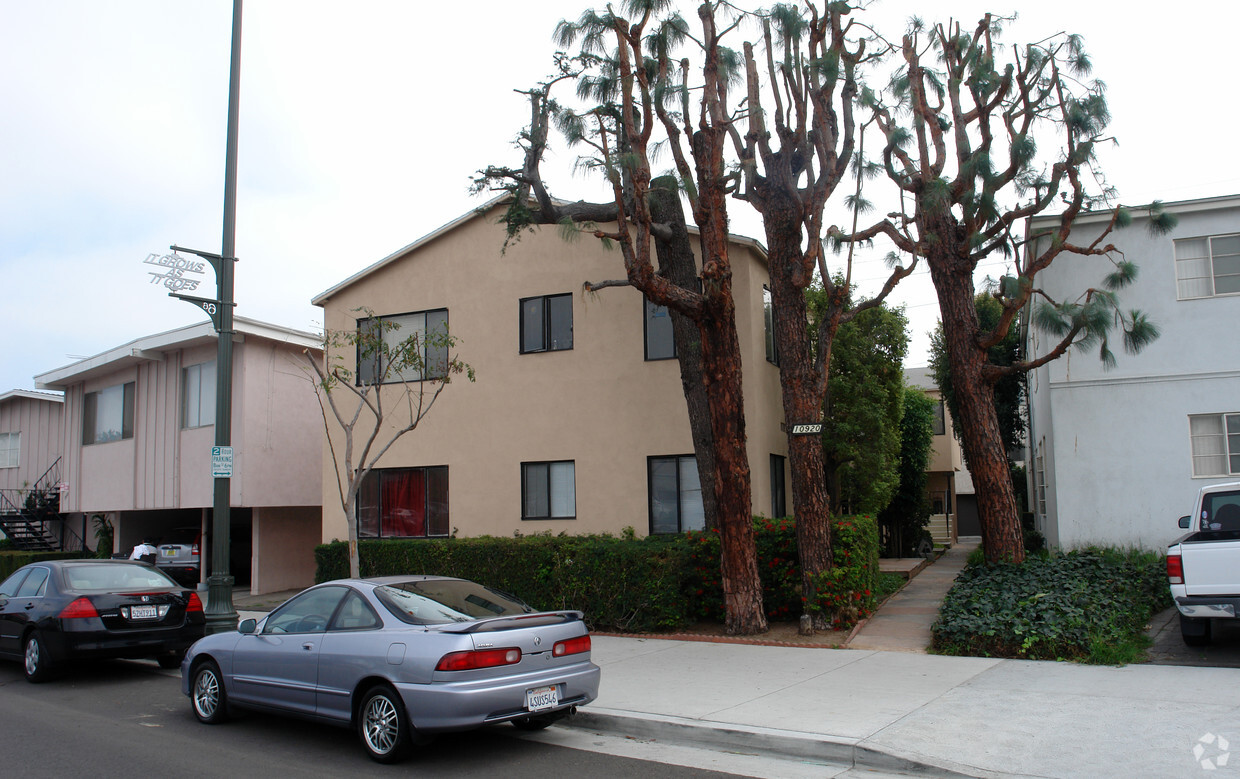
pixel 803 388
pixel 721 361
pixel 981 437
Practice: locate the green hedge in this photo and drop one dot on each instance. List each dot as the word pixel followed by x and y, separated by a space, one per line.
pixel 1080 606
pixel 659 583
pixel 10 561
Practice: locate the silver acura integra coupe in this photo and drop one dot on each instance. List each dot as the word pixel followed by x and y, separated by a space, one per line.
pixel 398 658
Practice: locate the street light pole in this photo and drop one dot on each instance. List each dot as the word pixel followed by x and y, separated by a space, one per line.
pixel 220 614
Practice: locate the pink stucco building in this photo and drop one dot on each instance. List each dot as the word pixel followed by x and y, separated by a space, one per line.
pixel 138 427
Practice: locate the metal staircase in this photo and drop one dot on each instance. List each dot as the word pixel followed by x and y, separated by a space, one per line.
pixel 31 517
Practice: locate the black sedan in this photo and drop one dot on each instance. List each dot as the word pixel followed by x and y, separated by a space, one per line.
pixel 57 611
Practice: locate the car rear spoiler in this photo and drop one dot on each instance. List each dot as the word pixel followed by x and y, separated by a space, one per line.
pixel 511 622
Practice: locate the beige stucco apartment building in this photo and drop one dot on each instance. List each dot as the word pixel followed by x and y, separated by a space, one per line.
pixel 576 422
pixel 948 481
pixel 138 431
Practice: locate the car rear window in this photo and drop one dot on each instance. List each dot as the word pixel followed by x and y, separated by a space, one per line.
pixel 111 577
pixel 444 601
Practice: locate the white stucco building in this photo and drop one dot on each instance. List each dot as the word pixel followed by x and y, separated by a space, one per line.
pixel 1116 456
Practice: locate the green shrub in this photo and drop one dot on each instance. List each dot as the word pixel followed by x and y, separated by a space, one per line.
pixel 1077 606
pixel 10 561
pixel 658 583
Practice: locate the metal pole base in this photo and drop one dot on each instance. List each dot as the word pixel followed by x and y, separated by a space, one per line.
pixel 220 615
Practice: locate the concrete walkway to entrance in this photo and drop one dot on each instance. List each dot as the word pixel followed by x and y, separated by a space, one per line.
pixel 903 622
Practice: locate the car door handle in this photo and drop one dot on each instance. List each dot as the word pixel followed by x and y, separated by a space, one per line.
pixel 307 646
pixel 29 606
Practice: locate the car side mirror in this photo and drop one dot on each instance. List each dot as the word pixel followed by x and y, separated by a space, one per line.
pixel 247 626
pixel 1184 522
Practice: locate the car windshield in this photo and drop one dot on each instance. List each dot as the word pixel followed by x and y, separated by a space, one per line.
pixel 106 577
pixel 443 601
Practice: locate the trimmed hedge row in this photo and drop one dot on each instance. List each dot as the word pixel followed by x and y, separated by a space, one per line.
pixel 10 561
pixel 1071 606
pixel 654 584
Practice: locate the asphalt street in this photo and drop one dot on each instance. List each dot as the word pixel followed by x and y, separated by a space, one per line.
pixel 128 718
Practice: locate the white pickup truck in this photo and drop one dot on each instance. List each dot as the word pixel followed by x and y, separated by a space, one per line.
pixel 1203 567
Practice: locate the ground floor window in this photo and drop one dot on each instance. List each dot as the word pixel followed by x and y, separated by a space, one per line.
pixel 403 503
pixel 549 490
pixel 675 494
pixel 779 504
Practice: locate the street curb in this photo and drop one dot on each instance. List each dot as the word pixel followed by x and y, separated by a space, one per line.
pixel 743 739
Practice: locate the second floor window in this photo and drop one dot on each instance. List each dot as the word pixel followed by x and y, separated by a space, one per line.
pixel 413 348
pixel 10 450
pixel 546 323
pixel 660 344
pixel 198 395
pixel 768 318
pixel 107 415
pixel 1209 266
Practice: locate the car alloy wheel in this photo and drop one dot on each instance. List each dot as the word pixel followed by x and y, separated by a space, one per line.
pixel 36 664
pixel 208 699
pixel 383 726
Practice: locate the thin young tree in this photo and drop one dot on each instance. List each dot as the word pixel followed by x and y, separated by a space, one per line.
pixel 399 376
pixel 964 140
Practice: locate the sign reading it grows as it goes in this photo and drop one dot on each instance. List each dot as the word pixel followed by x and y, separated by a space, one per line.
pixel 174 267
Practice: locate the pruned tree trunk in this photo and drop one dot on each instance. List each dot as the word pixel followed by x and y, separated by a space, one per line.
pixel 803 387
pixel 981 437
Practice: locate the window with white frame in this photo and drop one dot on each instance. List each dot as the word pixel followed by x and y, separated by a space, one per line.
pixel 675 494
pixel 198 395
pixel 546 323
pixel 1215 444
pixel 549 490
pixel 414 347
pixel 10 450
pixel 107 415
pixel 1207 266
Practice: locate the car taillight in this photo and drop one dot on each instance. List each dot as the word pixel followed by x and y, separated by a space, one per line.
pixel 1175 569
pixel 194 550
pixel 81 608
pixel 485 658
pixel 194 603
pixel 573 646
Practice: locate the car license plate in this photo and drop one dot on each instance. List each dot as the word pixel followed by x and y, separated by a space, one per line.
pixel 539 698
pixel 170 553
pixel 143 612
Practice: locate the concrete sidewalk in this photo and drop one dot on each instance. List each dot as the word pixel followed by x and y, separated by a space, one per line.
pixel 903 622
pixel 900 711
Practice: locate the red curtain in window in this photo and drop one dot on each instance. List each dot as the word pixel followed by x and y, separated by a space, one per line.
pixel 404 503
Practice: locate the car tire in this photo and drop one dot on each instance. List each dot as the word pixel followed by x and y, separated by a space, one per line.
pixel 536 721
pixel 383 725
pixel 207 696
pixel 1196 631
pixel 35 661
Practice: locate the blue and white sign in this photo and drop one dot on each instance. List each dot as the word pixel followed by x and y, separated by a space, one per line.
pixel 221 462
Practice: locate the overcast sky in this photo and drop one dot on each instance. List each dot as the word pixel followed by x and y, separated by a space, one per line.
pixel 361 123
